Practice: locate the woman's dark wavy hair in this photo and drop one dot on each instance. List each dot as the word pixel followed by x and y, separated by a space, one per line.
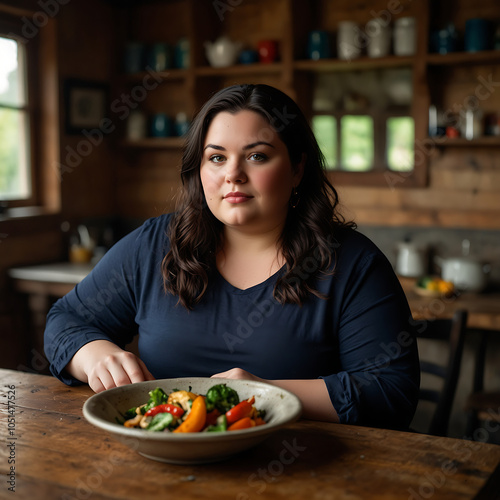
pixel 196 235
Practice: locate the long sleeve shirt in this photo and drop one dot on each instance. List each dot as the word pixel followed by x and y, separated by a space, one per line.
pixel 359 339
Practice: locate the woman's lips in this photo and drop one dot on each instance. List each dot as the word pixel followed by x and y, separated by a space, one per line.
pixel 237 197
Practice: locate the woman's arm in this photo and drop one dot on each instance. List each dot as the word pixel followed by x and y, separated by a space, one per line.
pixel 313 394
pixel 87 330
pixel 103 365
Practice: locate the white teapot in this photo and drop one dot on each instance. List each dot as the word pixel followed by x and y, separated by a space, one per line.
pixel 223 52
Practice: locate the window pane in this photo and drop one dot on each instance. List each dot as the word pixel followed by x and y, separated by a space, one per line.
pixel 357 143
pixel 14 145
pixel 325 130
pixel 12 88
pixel 15 182
pixel 400 143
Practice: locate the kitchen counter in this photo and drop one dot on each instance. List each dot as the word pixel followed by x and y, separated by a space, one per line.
pixel 483 308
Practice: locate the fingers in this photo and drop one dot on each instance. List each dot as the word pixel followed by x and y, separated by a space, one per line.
pixel 117 369
pixel 237 374
pixel 147 374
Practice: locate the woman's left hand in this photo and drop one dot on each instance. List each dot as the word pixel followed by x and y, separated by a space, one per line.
pixel 238 373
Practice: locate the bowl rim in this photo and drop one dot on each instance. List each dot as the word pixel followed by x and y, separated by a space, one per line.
pixel 116 428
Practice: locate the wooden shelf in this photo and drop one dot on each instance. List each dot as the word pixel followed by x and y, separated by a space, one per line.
pixel 240 69
pixel 483 57
pixel 169 74
pixel 155 143
pixel 362 63
pixel 448 142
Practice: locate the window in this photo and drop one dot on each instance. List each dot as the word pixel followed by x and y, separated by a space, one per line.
pixel 352 146
pixel 362 121
pixel 15 160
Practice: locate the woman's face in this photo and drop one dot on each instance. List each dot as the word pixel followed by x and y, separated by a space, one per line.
pixel 246 173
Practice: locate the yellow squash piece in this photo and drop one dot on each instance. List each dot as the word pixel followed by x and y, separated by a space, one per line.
pixel 197 417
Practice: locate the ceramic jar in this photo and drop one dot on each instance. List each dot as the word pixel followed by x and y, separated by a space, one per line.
pixel 348 46
pixel 379 38
pixel 405 36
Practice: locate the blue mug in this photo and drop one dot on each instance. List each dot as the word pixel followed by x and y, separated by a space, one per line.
pixel 318 46
pixel 181 54
pixel 478 35
pixel 133 57
pixel 160 125
pixel 445 40
pixel 159 57
pixel 248 56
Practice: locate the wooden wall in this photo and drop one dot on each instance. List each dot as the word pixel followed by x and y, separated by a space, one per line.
pixel 84 37
pixel 463 181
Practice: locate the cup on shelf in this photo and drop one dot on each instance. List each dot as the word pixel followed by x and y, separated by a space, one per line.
pixel 478 35
pixel 473 126
pixel 445 40
pixel 181 54
pixel 405 36
pixel 133 57
pixel 158 56
pixel 248 56
pixel 348 46
pixel 136 126
pixel 160 125
pixel 492 124
pixel 379 37
pixel 318 45
pixel 268 51
pixel 181 124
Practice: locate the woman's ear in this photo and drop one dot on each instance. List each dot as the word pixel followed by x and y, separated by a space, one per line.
pixel 299 170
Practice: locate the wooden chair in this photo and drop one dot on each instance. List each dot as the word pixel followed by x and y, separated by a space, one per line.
pixel 482 406
pixel 452 331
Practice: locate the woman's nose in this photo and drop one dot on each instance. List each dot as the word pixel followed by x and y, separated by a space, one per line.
pixel 235 172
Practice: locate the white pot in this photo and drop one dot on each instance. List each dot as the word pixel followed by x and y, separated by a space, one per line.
pixel 465 273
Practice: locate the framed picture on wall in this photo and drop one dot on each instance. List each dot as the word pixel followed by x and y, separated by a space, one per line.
pixel 85 105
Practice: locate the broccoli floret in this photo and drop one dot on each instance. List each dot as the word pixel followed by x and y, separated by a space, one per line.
pixel 222 397
pixel 156 397
pixel 160 422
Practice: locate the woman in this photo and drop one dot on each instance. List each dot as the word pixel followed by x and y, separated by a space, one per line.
pixel 256 276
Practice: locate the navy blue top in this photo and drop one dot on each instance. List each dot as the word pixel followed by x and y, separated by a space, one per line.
pixel 359 339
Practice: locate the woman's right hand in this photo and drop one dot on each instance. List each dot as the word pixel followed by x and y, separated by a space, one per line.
pixel 104 365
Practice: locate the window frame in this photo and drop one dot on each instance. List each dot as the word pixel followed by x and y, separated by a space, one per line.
pixel 10 27
pixel 380 163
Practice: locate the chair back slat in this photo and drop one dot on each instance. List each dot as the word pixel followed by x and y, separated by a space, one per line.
pixel 452 331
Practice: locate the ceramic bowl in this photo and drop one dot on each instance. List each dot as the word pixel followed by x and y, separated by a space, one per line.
pixel 102 410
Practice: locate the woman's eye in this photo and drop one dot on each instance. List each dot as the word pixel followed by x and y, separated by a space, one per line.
pixel 257 157
pixel 216 158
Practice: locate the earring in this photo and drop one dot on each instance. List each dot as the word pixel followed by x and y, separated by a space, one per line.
pixel 294 198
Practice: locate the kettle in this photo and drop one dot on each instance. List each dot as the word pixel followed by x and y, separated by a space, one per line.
pixel 223 52
pixel 411 260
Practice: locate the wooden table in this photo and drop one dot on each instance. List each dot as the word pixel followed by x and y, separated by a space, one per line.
pixel 58 454
pixel 483 308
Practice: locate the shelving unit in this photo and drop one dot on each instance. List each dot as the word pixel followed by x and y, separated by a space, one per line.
pixel 187 89
pixel 461 142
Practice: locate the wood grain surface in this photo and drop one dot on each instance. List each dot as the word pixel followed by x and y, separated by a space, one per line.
pixel 58 454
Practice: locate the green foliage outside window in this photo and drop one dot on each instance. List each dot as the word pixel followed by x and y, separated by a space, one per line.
pixel 400 143
pixel 325 130
pixel 14 136
pixel 357 148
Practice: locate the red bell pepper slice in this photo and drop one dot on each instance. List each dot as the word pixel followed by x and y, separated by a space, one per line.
pixel 241 410
pixel 175 410
pixel 212 417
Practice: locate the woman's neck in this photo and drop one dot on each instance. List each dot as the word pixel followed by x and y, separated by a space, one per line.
pixel 248 259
